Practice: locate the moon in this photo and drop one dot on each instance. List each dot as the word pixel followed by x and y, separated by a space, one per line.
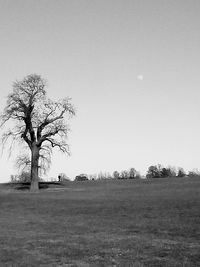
pixel 140 77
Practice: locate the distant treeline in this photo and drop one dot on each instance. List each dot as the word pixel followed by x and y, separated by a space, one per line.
pixel 154 171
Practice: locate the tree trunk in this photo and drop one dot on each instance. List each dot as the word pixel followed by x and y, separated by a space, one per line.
pixel 34 169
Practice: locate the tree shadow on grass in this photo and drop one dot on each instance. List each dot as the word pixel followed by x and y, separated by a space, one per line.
pixel 23 186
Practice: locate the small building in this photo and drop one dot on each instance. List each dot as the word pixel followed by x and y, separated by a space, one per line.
pixel 81 177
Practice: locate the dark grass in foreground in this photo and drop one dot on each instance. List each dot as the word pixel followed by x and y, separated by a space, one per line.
pixel 103 223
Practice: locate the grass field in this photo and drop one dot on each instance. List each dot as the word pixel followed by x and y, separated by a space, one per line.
pixel 102 223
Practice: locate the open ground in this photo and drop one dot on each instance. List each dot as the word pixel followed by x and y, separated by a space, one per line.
pixel 153 222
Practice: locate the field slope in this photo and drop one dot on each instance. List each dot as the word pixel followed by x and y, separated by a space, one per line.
pixel 102 223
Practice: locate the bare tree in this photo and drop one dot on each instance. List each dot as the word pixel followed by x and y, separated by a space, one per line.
pixel 132 173
pixel 116 175
pixel 38 121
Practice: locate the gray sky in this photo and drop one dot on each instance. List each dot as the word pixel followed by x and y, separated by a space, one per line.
pixel 131 68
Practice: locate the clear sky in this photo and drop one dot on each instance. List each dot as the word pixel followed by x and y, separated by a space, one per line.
pixel 132 70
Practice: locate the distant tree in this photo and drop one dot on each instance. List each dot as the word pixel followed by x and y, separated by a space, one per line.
pixel 116 175
pixel 104 175
pixel 108 175
pixel 165 172
pixel 92 176
pixel 24 177
pixel 132 173
pixel 181 172
pixel 153 172
pixel 158 171
pixel 13 178
pixel 40 122
pixel 194 173
pixel 100 176
pixel 138 175
pixel 124 174
pixel 160 167
pixel 171 171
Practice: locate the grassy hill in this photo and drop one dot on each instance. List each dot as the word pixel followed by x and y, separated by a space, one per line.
pixel 102 223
